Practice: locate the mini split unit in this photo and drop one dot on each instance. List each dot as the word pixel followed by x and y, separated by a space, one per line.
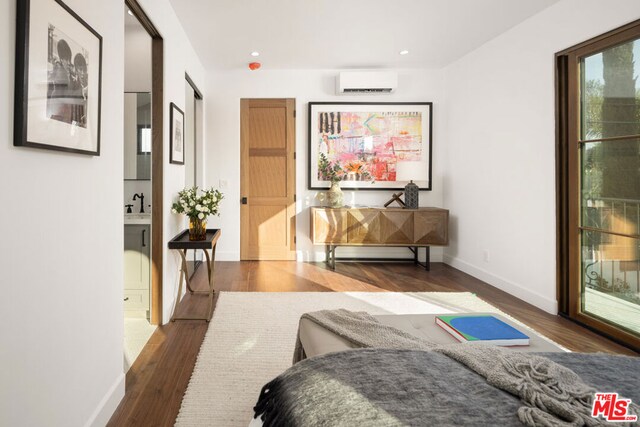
pixel 370 82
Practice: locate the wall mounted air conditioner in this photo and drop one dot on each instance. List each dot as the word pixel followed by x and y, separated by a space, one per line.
pixel 366 82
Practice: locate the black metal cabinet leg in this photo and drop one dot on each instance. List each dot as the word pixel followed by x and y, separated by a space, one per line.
pixel 333 257
pixel 427 265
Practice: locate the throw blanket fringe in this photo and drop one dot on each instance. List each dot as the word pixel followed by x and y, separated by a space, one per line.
pixel 554 396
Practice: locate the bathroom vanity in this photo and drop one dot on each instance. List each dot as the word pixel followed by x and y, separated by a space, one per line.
pixel 137 263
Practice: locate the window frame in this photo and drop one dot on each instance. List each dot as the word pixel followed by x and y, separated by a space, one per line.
pixel 568 143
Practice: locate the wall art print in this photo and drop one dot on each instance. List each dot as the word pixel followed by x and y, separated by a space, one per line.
pixel 375 146
pixel 58 79
pixel 176 141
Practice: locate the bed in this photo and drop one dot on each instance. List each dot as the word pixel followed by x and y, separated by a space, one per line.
pixel 343 386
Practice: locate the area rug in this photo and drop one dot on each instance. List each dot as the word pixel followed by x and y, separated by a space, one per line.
pixel 252 335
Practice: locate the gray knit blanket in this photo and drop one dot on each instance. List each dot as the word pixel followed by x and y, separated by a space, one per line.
pixel 550 394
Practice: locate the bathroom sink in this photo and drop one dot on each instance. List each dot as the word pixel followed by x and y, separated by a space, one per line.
pixel 137 218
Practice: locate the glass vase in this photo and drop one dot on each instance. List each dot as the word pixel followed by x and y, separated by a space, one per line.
pixel 197 229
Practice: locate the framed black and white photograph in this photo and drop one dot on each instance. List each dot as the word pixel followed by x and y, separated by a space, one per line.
pixel 176 153
pixel 58 79
pixel 370 146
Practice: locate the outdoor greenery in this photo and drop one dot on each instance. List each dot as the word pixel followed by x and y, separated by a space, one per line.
pixel 611 169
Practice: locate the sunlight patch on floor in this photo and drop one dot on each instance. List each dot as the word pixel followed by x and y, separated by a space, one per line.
pixel 137 332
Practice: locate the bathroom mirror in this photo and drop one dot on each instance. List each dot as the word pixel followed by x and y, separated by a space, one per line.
pixel 137 136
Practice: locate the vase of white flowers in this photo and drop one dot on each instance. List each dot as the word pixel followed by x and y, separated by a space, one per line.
pixel 198 207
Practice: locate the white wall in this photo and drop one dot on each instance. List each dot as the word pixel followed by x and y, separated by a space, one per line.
pixel 61 254
pixel 226 88
pixel 137 65
pixel 500 176
pixel 179 57
pixel 61 251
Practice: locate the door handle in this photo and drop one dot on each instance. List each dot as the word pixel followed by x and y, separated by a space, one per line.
pixel 243 201
pixel 126 299
pixel 144 245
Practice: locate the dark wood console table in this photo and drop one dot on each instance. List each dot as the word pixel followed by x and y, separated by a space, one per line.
pixel 182 244
pixel 386 227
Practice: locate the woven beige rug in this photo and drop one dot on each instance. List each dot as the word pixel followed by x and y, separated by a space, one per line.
pixel 252 336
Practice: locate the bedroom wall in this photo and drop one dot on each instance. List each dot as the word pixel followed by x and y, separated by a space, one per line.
pixel 500 181
pixel 226 88
pixel 62 222
pixel 179 57
pixel 61 254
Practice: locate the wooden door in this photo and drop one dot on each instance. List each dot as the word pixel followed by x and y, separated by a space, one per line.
pixel 267 185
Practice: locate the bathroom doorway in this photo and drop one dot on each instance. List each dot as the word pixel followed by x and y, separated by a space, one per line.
pixel 142 207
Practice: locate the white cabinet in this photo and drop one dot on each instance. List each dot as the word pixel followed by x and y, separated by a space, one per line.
pixel 137 267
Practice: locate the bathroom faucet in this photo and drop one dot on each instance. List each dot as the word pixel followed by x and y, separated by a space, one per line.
pixel 141 197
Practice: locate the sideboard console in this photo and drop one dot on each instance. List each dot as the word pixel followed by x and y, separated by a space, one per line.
pixel 387 227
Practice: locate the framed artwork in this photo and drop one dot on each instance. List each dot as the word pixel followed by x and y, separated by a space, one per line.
pixel 176 153
pixel 371 146
pixel 58 79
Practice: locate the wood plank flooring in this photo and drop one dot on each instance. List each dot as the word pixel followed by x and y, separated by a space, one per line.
pixel 159 377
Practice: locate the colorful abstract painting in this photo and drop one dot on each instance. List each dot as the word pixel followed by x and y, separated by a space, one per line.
pixel 372 146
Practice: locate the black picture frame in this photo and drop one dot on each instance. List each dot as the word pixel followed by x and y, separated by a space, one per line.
pixel 175 148
pixel 78 129
pixel 310 181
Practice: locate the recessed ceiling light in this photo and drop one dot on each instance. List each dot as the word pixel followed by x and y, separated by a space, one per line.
pixel 254 53
pixel 404 52
pixel 129 12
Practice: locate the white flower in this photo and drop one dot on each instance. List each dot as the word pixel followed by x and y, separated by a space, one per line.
pixel 206 209
pixel 192 203
pixel 200 215
pixel 174 211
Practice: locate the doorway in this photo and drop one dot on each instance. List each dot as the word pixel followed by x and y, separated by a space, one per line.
pixel 157 158
pixel 267 179
pixel 193 137
pixel 143 160
pixel 598 171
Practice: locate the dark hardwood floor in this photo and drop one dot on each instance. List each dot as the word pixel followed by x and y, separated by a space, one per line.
pixel 159 377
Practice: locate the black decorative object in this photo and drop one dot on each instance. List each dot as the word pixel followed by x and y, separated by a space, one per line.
pixel 395 198
pixel 411 195
pixel 58 79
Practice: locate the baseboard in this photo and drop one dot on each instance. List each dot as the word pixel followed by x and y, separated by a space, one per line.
pixel 227 256
pixel 108 404
pixel 542 302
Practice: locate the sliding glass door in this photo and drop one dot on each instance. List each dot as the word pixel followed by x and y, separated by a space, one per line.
pixel 602 120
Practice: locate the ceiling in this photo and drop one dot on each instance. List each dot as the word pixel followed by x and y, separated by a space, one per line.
pixel 345 33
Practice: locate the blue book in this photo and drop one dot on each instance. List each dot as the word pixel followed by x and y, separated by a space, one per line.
pixel 481 328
